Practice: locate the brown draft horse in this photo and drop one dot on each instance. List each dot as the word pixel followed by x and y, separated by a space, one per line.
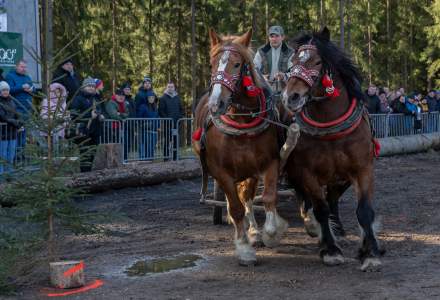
pixel 336 147
pixel 236 155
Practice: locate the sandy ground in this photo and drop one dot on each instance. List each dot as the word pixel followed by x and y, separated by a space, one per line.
pixel 167 220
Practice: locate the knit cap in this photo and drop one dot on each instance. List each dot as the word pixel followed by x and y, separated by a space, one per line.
pixel 4 86
pixel 89 81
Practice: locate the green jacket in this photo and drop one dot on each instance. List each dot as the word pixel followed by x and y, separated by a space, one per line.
pixel 111 108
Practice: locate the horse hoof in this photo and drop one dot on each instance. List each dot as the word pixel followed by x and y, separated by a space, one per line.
pixel 245 253
pixel 272 238
pixel 255 238
pixel 247 263
pixel 310 224
pixel 371 264
pixel 333 260
pixel 311 231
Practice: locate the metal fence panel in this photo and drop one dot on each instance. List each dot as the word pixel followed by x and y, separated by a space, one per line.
pixel 8 148
pixel 430 122
pixel 111 132
pixel 184 135
pixel 400 125
pixel 380 125
pixel 148 139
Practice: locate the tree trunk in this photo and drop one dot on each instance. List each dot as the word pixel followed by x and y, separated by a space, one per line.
pixel 369 43
pixel 348 25
pixel 242 9
pixel 193 52
pixel 179 44
pixel 341 22
pixel 321 13
pixel 411 46
pixel 135 175
pixel 150 37
pixel 388 57
pixel 113 46
pixel 254 19
pixel 266 17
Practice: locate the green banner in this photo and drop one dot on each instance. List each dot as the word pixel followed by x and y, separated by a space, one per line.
pixel 11 50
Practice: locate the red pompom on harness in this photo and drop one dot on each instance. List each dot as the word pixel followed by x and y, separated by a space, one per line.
pixel 197 134
pixel 376 147
pixel 250 88
pixel 330 90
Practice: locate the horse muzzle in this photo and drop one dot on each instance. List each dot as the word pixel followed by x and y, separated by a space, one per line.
pixel 294 102
pixel 219 108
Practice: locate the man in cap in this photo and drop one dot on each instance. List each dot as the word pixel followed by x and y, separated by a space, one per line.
pixel 65 75
pixel 22 89
pixel 275 58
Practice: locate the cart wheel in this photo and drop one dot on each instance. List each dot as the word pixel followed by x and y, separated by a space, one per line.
pixel 218 215
pixel 219 195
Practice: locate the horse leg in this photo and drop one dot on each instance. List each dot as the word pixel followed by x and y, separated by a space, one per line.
pixel 274 226
pixel 243 249
pixel 334 192
pixel 246 192
pixel 306 209
pixel 330 252
pixel 369 252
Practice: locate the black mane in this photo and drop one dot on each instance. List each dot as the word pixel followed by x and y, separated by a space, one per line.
pixel 335 61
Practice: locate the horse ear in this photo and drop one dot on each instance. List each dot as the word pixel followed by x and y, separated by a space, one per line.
pixel 245 39
pixel 215 39
pixel 325 34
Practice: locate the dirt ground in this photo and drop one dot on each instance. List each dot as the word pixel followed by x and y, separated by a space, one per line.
pixel 167 220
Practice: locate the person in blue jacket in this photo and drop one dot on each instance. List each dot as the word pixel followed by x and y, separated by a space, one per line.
pixel 145 92
pixel 148 130
pixel 21 89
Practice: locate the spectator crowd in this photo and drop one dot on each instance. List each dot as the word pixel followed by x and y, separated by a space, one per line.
pixel 385 101
pixel 84 104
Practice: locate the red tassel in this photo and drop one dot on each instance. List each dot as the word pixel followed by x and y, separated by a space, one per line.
pixel 197 134
pixel 335 93
pixel 376 147
pixel 327 81
pixel 251 89
pixel 330 90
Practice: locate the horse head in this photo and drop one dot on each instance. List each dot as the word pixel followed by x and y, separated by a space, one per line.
pixel 230 60
pixel 305 75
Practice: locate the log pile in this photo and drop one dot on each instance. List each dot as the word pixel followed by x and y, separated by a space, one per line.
pixel 135 175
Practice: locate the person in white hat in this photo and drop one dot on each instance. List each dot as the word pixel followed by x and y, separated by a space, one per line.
pixel 9 125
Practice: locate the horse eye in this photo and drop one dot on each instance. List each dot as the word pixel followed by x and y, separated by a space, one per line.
pixel 318 63
pixel 236 65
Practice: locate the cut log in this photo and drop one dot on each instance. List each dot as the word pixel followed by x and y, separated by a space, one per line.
pixel 108 156
pixel 136 175
pixel 409 144
pixel 67 274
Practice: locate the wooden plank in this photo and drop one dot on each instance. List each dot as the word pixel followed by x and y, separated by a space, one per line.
pixel 222 203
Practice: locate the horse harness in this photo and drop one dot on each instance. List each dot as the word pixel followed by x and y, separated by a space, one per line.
pixel 261 119
pixel 335 129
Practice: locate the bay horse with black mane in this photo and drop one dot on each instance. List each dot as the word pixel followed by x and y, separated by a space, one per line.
pixel 336 147
pixel 236 143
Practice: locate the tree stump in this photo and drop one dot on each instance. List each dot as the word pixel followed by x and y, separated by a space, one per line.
pixel 67 274
pixel 108 156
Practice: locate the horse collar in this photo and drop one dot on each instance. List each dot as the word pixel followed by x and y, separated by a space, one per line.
pixel 335 129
